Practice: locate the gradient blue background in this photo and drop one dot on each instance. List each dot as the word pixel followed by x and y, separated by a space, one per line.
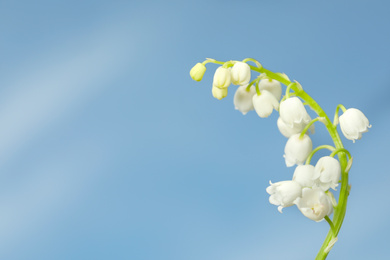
pixel 108 149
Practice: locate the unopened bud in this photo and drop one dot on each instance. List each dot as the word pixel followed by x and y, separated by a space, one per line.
pixel 198 71
pixel 222 77
pixel 219 93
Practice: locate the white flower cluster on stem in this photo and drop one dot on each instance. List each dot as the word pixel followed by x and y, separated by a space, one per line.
pixel 310 186
pixel 263 95
pixel 314 182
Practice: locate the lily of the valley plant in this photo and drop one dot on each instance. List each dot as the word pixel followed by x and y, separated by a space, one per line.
pixel 312 184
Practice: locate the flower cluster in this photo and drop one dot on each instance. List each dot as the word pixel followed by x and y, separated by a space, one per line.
pixel 309 188
pixel 262 95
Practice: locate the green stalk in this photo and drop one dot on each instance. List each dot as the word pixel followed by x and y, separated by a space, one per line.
pixel 308 126
pixel 339 212
pixel 325 146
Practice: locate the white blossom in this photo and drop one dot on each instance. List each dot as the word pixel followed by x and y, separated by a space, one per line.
pixel 327 173
pixel 284 193
pixel 243 99
pixel 272 86
pixel 222 77
pixel 293 112
pixel 265 104
pixel 314 204
pixel 288 131
pixel 297 150
pixel 198 71
pixel 219 93
pixel 353 123
pixel 240 73
pixel 296 129
pixel 304 175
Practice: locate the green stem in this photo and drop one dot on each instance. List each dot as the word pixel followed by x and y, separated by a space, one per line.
pixel 325 146
pixel 208 61
pixel 336 114
pixel 289 88
pixel 308 126
pixel 257 87
pixel 330 223
pixel 270 74
pixel 228 64
pixel 251 83
pixel 340 150
pixel 342 107
pixel 258 64
pixel 339 212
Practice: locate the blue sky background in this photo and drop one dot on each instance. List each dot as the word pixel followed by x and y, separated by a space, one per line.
pixel 108 149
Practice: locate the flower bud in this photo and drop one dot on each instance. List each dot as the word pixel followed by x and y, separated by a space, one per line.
pixel 198 71
pixel 314 204
pixel 219 93
pixel 241 73
pixel 304 175
pixel 265 104
pixel 293 112
pixel 243 99
pixel 297 150
pixel 272 86
pixel 353 123
pixel 221 77
pixel 327 173
pixel 283 193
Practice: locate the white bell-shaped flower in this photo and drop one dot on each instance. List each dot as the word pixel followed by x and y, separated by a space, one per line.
pixel 327 173
pixel 198 71
pixel 314 204
pixel 272 86
pixel 296 129
pixel 304 175
pixel 284 193
pixel 297 150
pixel 353 123
pixel 219 93
pixel 293 112
pixel 265 104
pixel 243 99
pixel 240 73
pixel 222 77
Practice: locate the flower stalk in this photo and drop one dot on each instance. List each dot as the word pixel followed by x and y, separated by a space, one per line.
pixel 325 146
pixel 308 126
pixel 340 210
